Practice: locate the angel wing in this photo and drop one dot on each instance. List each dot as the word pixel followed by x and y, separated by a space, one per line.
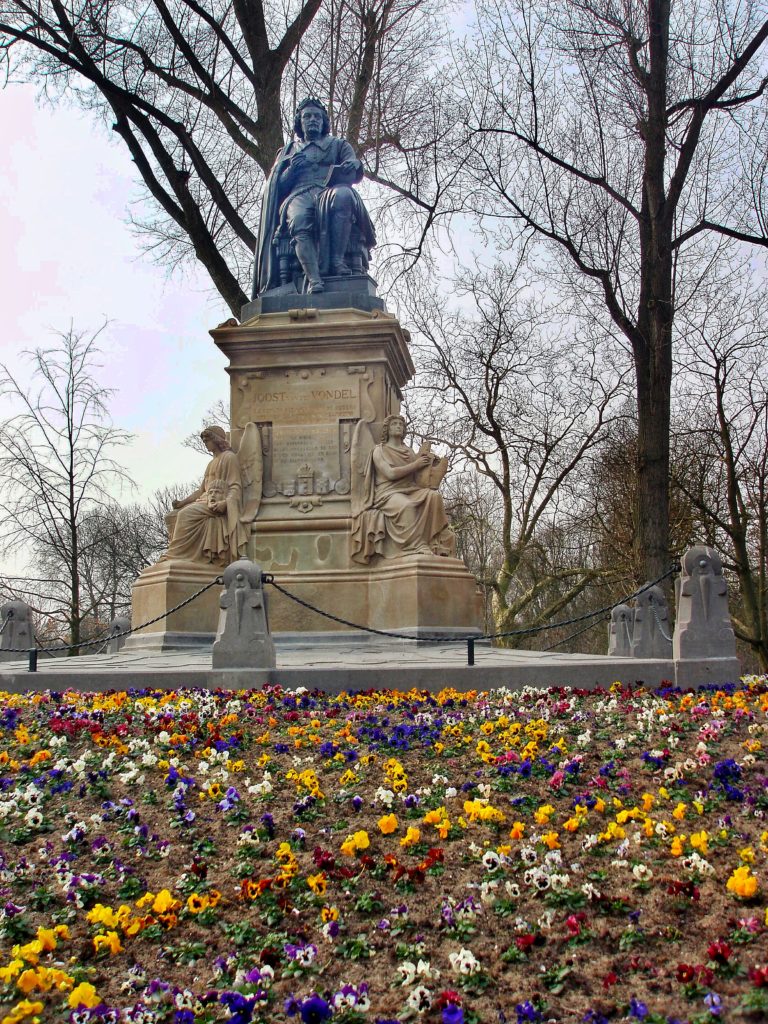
pixel 362 446
pixel 249 456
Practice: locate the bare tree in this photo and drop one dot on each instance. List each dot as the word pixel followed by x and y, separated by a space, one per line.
pixel 200 92
pixel 720 440
pixel 524 403
pixel 56 459
pixel 475 511
pixel 623 133
pixel 216 414
pixel 612 489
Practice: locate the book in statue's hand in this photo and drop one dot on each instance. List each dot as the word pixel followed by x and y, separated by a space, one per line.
pixel 339 175
pixel 431 476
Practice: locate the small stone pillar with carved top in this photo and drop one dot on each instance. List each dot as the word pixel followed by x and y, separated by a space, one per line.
pixel 619 645
pixel 703 644
pixel 16 626
pixel 243 639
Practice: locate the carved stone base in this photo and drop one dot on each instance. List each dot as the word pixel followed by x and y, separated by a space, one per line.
pixel 695 672
pixel 307 377
pixel 416 595
pixel 163 586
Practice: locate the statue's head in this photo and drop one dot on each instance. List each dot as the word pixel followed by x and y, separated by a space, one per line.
pixel 386 425
pixel 315 105
pixel 214 438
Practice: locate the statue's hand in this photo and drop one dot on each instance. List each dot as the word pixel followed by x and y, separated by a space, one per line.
pixel 177 504
pixel 298 160
pixel 349 167
pixel 422 461
pixel 219 507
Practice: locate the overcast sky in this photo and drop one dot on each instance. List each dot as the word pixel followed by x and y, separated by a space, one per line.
pixel 69 256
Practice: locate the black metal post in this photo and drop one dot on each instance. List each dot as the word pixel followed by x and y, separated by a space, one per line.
pixel 470 652
pixel 33 660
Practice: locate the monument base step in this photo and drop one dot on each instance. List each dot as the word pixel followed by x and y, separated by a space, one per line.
pixel 706 671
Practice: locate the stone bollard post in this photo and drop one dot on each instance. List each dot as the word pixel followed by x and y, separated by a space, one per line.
pixel 619 639
pixel 703 644
pixel 120 624
pixel 243 639
pixel 651 628
pixel 16 624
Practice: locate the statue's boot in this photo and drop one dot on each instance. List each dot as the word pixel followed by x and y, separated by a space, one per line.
pixel 306 253
pixel 341 225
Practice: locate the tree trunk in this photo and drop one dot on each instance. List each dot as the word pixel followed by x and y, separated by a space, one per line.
pixel 652 501
pixel 652 342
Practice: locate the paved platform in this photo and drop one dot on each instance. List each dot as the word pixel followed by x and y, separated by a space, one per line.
pixel 339 665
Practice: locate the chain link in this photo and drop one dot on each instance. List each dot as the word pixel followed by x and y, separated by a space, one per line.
pixel 572 636
pixel 268 578
pixel 660 625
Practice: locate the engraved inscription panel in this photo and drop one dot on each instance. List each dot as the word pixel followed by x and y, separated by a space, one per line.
pixel 294 447
pixel 317 399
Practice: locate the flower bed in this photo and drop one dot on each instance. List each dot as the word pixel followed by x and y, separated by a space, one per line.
pixel 271 856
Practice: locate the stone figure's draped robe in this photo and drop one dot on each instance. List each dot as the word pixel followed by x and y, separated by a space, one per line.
pixel 397 516
pixel 325 154
pixel 201 535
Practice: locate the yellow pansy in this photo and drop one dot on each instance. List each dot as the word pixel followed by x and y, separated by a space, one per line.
pixel 83 995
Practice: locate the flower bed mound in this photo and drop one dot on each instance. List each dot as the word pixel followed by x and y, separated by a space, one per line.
pixel 384 857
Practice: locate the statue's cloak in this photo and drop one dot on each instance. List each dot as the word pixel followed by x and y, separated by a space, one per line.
pixel 273 207
pixel 393 517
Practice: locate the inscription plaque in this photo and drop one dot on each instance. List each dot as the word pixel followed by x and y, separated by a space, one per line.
pixel 325 399
pixel 294 447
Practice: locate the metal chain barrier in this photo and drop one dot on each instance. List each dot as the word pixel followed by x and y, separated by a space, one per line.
pixel 33 651
pixel 268 578
pixel 660 624
pixel 572 636
pixel 471 641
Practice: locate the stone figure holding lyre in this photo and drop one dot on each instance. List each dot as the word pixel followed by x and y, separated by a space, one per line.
pixel 396 507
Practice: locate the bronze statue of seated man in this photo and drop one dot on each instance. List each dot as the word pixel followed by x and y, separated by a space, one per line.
pixel 309 203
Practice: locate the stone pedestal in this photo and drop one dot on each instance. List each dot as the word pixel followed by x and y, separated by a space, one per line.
pixel 416 595
pixel 163 586
pixel 306 377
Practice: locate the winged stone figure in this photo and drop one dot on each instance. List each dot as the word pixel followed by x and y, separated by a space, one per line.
pixel 212 525
pixel 396 508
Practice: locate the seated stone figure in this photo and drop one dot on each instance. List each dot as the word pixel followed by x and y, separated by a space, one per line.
pixel 311 215
pixel 394 513
pixel 213 523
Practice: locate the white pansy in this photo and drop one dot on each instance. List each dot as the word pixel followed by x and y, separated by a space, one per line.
pixel 420 998
pixel 464 962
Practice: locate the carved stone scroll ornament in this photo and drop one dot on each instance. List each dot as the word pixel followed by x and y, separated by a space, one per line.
pixel 393 512
pixel 212 525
